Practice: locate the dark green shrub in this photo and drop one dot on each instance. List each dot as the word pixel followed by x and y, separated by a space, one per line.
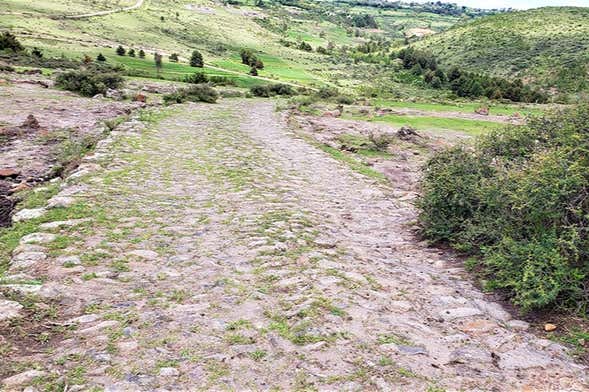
pixel 121 51
pixel 196 93
pixel 281 89
pixel 88 82
pixel 100 57
pixel 519 201
pixel 196 59
pixel 217 80
pixel 271 90
pixel 196 78
pixel 260 91
pixel 9 41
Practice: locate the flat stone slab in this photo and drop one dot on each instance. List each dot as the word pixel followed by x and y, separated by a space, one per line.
pixel 60 202
pixel 523 358
pixel 27 259
pixel 22 379
pixel 27 214
pixel 38 238
pixel 144 254
pixel 457 313
pixel 9 309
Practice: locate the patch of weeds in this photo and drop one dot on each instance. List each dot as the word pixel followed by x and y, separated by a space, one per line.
pixel 217 370
pixel 89 276
pixel 393 338
pixel 166 363
pixel 239 339
pixel 385 361
pixel 179 296
pixel 434 388
pixel 120 266
pixel 190 355
pixel 405 372
pixel 258 355
pixel 577 338
pixel 298 334
pixel 238 324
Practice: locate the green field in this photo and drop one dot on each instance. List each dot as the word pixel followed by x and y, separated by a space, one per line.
pixel 464 107
pixel 436 124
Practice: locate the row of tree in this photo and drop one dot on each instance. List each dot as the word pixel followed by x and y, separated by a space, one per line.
pixel 467 84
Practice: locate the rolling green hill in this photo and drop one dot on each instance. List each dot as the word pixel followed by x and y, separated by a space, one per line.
pixel 545 46
pixel 218 29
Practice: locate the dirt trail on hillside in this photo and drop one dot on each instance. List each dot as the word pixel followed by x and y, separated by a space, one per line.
pixel 107 12
pixel 225 252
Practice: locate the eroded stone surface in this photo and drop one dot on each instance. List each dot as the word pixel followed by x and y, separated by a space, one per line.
pixel 237 256
pixel 9 309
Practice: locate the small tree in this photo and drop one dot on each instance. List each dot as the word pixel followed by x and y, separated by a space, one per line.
pixel 100 58
pixel 158 62
pixel 37 53
pixel 9 41
pixel 253 71
pixel 196 59
pixel 131 53
pixel 174 57
pixel 121 51
pixel 87 59
pixel 141 54
pixel 162 18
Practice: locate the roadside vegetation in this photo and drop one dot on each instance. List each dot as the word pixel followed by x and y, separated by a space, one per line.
pixel 518 203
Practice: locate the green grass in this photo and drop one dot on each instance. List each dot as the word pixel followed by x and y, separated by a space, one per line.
pixel 354 163
pixel 463 107
pixel 439 124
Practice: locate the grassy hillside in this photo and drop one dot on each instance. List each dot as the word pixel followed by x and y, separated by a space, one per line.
pixel 547 46
pixel 217 29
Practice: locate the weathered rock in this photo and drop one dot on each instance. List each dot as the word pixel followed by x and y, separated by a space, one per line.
pixel 27 214
pixel 31 123
pixel 9 309
pixel 144 254
pixel 549 327
pixel 9 173
pixel 494 310
pixel 87 318
pixel 140 97
pixel 518 325
pixel 456 313
pixel 69 260
pixel 38 238
pixel 471 355
pixel 97 329
pixel 523 358
pixel 114 94
pixel 52 290
pixel 60 202
pixel 58 224
pixel 22 379
pixel 27 259
pixel 23 288
pixel 478 326
pixel 483 111
pixel 169 372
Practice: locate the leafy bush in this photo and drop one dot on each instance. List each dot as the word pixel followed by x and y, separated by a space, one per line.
pixel 519 201
pixel 271 90
pixel 89 82
pixel 196 78
pixel 196 93
pixel 9 41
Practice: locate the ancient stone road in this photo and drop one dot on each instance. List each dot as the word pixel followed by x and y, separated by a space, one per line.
pixel 225 252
